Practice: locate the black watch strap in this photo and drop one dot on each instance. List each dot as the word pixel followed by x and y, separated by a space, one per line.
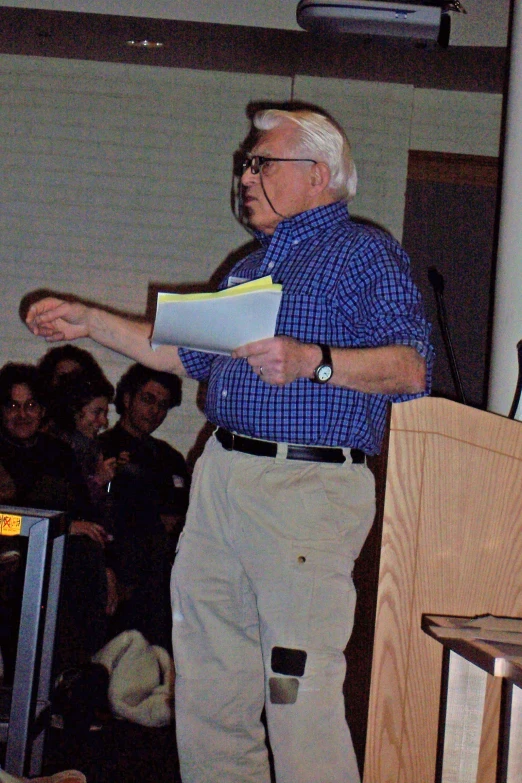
pixel 324 371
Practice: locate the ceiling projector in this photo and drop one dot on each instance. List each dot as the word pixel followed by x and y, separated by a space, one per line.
pixel 426 20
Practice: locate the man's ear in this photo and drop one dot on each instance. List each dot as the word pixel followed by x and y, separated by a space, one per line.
pixel 320 177
pixel 126 400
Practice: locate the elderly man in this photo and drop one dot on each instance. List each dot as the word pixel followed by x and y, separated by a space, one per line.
pixel 282 499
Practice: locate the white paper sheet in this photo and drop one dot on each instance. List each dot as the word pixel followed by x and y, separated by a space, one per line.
pixel 219 322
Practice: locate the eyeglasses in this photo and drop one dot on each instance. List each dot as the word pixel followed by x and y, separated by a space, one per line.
pixel 258 163
pixel 31 406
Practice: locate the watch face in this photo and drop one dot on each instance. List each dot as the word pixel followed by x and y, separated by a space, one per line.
pixel 324 373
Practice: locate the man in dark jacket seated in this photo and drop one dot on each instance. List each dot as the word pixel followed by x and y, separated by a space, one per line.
pixel 149 498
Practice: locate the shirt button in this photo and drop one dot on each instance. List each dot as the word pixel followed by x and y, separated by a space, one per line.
pixel 271 264
pixel 224 393
pixel 295 242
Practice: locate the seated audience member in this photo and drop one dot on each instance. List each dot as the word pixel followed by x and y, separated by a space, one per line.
pixel 149 497
pixel 57 364
pixel 43 473
pixel 65 359
pixel 79 409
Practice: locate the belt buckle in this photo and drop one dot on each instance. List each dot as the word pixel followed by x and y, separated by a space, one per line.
pixel 232 442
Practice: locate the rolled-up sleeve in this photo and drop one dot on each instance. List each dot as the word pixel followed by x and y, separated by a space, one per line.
pixel 197 364
pixel 387 305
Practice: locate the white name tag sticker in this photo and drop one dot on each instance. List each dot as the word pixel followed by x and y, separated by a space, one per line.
pixel 232 281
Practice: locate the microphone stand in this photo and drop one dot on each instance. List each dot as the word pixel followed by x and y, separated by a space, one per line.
pixel 437 283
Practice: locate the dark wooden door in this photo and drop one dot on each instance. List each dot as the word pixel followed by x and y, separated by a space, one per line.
pixel 450 224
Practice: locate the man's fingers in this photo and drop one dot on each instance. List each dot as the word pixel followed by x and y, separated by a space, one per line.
pixel 40 310
pixel 52 312
pixel 48 330
pixel 44 324
pixel 253 349
pixel 50 333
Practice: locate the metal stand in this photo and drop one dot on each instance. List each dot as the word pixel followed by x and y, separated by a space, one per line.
pixel 467 662
pixel 25 712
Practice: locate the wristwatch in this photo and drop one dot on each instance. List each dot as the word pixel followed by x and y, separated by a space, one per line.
pixel 324 371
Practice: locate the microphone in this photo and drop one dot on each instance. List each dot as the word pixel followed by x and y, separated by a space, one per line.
pixel 516 399
pixel 436 280
pixel 437 283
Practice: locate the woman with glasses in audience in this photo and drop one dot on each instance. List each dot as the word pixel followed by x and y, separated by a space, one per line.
pixel 38 470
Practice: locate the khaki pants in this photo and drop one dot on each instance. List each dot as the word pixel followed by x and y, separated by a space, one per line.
pixel 263 605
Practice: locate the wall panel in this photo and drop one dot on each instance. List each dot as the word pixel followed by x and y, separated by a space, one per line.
pixel 377 118
pixel 115 176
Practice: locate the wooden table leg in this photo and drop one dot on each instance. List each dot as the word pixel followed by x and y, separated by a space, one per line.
pixel 462 727
pixel 514 764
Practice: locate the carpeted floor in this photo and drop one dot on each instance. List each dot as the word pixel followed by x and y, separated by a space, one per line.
pixel 121 752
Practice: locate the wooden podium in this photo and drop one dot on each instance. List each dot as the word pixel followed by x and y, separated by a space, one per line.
pixel 451 545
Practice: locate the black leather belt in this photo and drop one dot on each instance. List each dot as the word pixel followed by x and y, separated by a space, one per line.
pixel 267 448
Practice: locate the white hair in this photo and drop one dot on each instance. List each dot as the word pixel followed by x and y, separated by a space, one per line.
pixel 319 138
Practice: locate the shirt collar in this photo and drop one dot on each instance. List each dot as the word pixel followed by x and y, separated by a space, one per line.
pixel 307 223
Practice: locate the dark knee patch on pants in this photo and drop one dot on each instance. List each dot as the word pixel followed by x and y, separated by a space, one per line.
pixel 283 690
pixel 288 661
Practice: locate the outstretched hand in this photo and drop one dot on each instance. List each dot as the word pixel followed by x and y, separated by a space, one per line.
pixel 55 319
pixel 279 360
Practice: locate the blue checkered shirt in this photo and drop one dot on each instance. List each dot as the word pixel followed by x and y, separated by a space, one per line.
pixel 344 285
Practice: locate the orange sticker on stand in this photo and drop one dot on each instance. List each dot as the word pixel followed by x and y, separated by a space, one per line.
pixel 10 524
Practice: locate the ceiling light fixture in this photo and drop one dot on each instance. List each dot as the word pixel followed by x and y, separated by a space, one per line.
pixel 145 44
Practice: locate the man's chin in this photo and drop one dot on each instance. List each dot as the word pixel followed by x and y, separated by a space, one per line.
pixel 148 427
pixel 247 213
pixel 249 217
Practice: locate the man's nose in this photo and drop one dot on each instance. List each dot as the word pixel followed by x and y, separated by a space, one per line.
pixel 247 177
pixel 157 409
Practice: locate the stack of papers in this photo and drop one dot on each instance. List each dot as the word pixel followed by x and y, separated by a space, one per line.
pixel 218 322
